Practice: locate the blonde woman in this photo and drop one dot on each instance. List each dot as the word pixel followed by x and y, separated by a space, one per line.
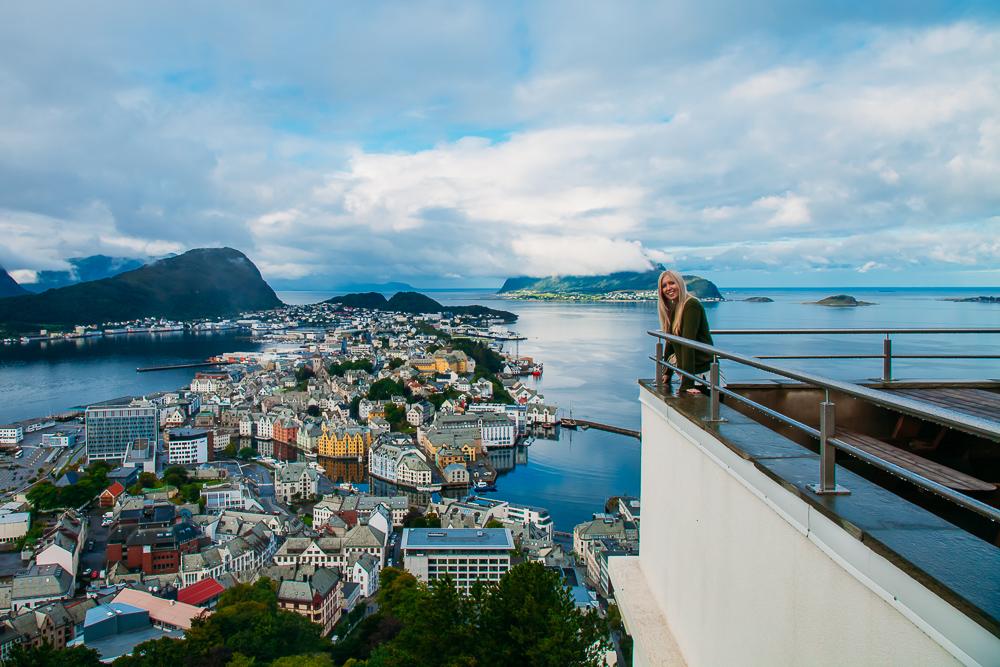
pixel 683 315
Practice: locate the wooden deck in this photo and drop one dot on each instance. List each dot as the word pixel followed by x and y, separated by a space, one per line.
pixel 968 400
pixel 926 468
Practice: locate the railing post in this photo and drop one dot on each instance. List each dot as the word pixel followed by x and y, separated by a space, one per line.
pixel 827 452
pixel 715 395
pixel 658 368
pixel 887 359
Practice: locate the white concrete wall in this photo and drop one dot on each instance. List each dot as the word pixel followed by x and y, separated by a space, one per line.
pixel 746 574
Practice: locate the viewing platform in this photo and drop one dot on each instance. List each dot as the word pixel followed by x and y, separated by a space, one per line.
pixel 806 521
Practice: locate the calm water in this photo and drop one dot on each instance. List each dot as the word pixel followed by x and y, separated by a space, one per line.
pixel 592 353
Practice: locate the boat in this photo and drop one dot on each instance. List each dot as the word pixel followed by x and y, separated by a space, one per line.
pixel 483 485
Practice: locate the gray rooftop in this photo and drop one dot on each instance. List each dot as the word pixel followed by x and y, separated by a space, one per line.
pixel 458 538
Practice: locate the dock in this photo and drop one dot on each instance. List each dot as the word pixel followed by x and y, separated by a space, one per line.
pixel 574 424
pixel 170 367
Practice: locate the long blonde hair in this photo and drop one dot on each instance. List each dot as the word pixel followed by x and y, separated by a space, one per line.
pixel 668 323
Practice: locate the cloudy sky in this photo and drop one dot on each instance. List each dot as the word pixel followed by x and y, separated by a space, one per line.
pixel 456 143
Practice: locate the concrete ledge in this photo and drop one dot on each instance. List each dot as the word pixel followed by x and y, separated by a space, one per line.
pixel 654 643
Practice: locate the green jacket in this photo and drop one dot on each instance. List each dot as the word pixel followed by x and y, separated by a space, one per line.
pixel 694 325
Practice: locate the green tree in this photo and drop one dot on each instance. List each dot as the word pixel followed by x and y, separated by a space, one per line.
pixel 156 652
pixel 247 453
pixel 493 523
pixel 395 363
pixel 148 480
pixel 385 389
pixel 45 655
pixel 175 476
pixel 529 618
pixel 311 660
pixel 313 411
pixel 354 407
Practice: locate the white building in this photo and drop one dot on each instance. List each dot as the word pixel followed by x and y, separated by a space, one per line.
pixel 467 555
pixel 14 521
pixel 11 434
pixel 265 427
pixel 401 464
pixel 295 480
pixel 188 445
pixel 58 439
pixel 229 495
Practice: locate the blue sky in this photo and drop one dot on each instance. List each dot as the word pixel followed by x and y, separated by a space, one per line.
pixel 457 143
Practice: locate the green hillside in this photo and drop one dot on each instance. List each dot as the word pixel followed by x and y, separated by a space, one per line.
pixel 416 304
pixel 621 281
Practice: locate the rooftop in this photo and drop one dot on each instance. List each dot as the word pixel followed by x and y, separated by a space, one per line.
pixel 458 538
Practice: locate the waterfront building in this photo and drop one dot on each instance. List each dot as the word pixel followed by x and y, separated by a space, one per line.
pixel 401 464
pixel 467 555
pixel 11 434
pixel 113 429
pixel 343 442
pixel 295 481
pixel 495 429
pixel 265 427
pixel 187 445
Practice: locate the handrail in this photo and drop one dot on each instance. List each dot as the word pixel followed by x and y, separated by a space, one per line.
pixel 944 416
pixel 829 443
pixel 887 356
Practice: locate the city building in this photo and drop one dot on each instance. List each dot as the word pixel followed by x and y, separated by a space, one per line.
pixel 466 555
pixel 58 439
pixel 188 445
pixel 316 596
pixel 343 442
pixel 40 584
pixel 403 465
pixel 11 434
pixel 295 481
pixel 15 521
pixel 229 495
pixel 112 429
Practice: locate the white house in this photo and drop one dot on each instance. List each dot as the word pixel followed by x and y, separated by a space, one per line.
pixel 265 427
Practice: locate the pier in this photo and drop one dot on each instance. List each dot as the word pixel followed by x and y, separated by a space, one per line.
pixel 194 364
pixel 585 424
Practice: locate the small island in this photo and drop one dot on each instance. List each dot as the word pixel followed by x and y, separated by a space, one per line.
pixel 759 299
pixel 841 301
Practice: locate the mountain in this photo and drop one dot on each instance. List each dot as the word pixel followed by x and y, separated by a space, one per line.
pixel 85 269
pixel 9 286
pixel 206 282
pixel 415 303
pixel 612 282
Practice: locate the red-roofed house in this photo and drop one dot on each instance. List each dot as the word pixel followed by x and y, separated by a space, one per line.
pixel 111 494
pixel 204 593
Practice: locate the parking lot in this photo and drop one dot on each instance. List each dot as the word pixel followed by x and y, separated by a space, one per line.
pixel 36 460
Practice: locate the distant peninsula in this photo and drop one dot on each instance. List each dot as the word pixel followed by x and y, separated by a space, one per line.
pixel 201 283
pixel 841 301
pixel 975 299
pixel 416 304
pixel 620 286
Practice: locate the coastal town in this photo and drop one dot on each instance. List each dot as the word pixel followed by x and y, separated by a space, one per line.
pixel 352 441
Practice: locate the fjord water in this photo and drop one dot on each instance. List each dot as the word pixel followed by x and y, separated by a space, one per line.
pixel 593 354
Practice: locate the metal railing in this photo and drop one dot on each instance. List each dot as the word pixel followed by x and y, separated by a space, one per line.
pixel 886 356
pixel 828 442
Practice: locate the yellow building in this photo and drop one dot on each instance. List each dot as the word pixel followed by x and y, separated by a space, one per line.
pixel 342 442
pixel 456 362
pixel 463 440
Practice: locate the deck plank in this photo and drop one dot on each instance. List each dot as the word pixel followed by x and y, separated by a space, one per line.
pixel 937 472
pixel 971 401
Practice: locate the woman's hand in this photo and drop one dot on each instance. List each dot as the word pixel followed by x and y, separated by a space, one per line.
pixel 693 391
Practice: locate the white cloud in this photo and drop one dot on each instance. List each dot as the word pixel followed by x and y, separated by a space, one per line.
pixel 483 142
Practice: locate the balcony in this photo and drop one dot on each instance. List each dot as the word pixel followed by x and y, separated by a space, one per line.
pixel 768 538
